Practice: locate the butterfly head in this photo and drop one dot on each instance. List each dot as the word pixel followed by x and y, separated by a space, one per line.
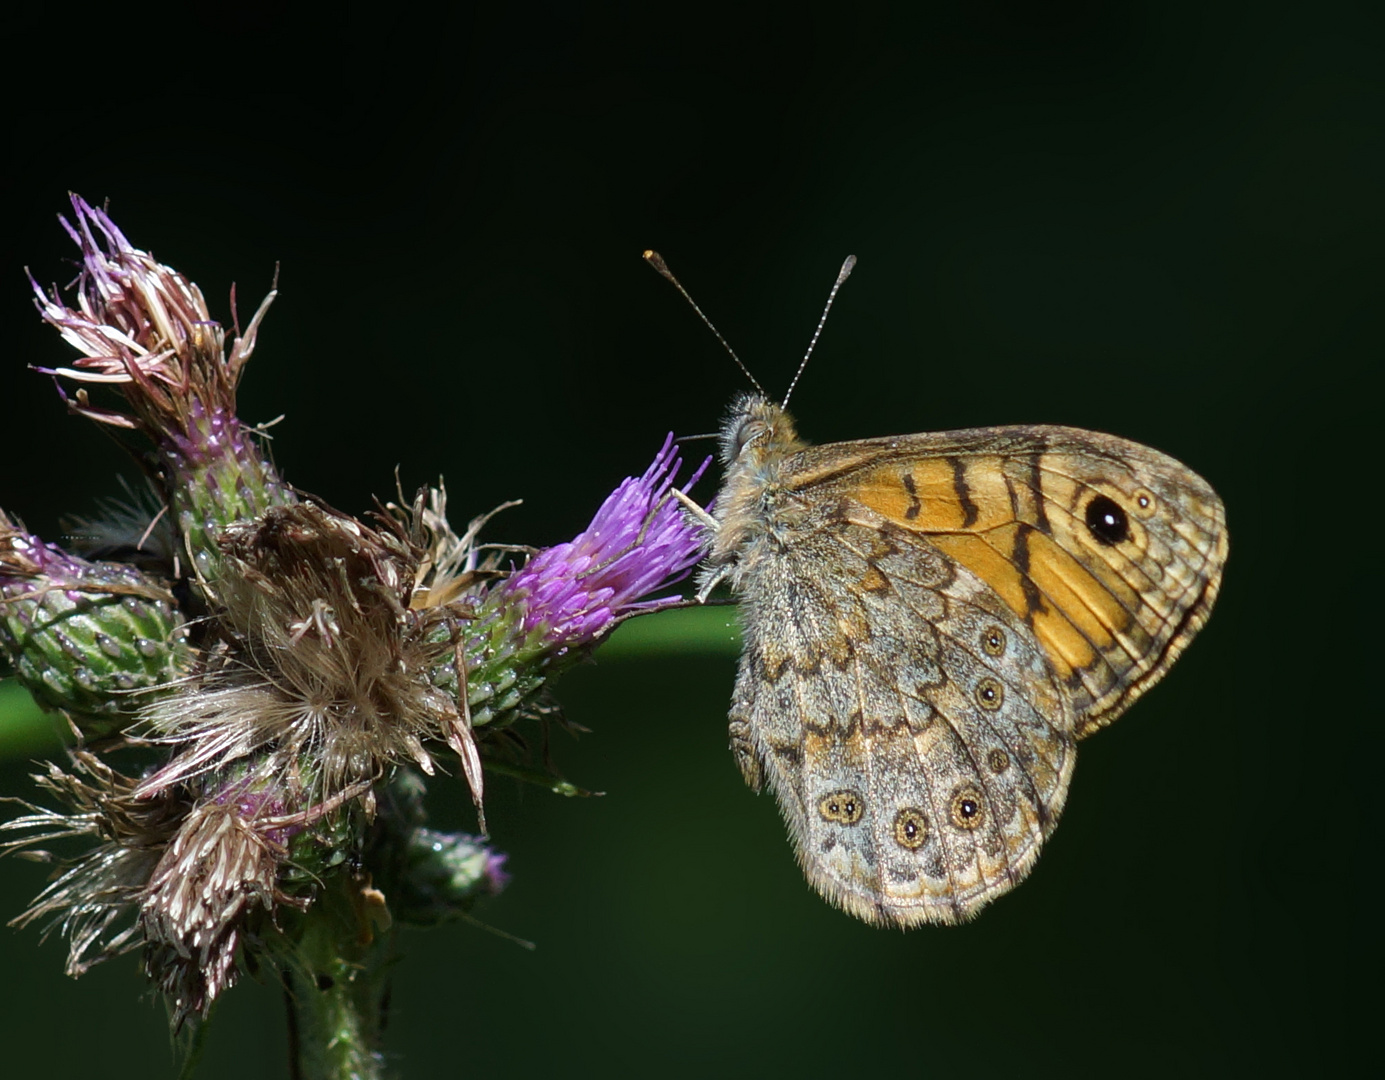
pixel 756 439
pixel 757 431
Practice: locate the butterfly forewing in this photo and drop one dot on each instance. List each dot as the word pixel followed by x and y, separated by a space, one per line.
pixel 1110 551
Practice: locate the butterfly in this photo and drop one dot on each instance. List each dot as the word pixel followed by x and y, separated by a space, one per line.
pixel 931 622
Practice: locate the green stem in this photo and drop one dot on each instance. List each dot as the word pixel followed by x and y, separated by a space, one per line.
pixel 337 985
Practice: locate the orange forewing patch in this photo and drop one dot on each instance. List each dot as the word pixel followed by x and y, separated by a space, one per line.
pixel 924 495
pixel 993 567
pixel 968 511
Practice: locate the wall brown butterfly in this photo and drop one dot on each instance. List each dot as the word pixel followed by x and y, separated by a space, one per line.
pixel 931 623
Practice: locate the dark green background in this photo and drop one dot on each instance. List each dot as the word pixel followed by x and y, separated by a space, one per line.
pixel 1161 220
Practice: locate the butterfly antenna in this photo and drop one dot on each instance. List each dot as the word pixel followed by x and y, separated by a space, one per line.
pixel 842 275
pixel 654 259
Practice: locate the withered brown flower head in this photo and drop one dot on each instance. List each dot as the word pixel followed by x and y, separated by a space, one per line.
pixel 323 669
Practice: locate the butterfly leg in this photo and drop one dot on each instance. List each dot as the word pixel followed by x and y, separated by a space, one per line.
pixel 709 579
pixel 743 747
pixel 752 770
pixel 706 520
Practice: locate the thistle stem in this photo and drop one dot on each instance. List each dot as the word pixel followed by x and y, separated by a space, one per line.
pixel 337 987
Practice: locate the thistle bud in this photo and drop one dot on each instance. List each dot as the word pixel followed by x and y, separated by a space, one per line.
pixel 99 640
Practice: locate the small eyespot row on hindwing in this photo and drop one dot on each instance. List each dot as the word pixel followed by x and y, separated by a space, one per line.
pixel 1107 521
pixel 910 828
pixel 998 760
pixel 842 807
pixel 993 640
pixel 990 695
pixel 967 811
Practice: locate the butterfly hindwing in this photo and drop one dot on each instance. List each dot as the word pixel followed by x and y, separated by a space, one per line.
pixel 904 718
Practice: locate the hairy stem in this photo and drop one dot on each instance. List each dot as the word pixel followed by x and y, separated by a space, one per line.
pixel 337 985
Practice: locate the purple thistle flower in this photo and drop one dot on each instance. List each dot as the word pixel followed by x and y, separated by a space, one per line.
pixel 639 541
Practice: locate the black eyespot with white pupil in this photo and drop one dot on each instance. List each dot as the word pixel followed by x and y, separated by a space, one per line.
pixel 1107 521
pixel 967 811
pixel 993 640
pixel 910 828
pixel 990 694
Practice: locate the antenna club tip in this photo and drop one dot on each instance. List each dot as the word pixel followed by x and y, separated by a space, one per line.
pixel 848 266
pixel 654 259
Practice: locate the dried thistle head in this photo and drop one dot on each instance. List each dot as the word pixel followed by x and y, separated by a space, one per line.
pixel 184 875
pixel 321 668
pixel 216 885
pixel 94 900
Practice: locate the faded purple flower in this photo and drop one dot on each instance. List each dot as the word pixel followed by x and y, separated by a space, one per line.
pixel 145 330
pixel 497 877
pixel 138 323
